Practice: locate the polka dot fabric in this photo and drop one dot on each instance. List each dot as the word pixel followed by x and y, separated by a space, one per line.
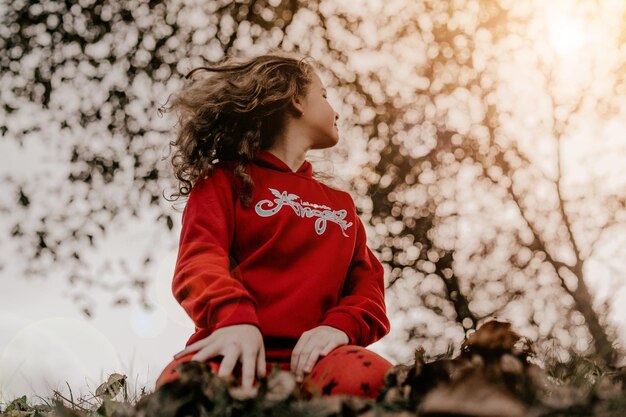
pixel 171 374
pixel 348 369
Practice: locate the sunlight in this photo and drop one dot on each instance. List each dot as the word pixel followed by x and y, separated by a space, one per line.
pixel 46 354
pixel 566 34
pixel 148 323
pixel 163 290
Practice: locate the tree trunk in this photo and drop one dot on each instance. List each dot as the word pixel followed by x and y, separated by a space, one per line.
pixel 584 304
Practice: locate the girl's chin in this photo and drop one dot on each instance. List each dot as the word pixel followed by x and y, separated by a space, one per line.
pixel 325 145
pixel 327 142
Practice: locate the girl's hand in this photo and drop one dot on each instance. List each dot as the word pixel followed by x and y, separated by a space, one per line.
pixel 243 340
pixel 315 342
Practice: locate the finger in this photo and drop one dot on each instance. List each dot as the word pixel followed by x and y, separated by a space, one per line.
pixel 195 346
pixel 182 353
pixel 302 358
pixel 206 352
pixel 261 365
pixel 311 360
pixel 192 348
pixel 326 349
pixel 228 363
pixel 247 368
pixel 295 354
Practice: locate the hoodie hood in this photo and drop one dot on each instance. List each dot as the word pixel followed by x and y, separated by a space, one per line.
pixel 269 160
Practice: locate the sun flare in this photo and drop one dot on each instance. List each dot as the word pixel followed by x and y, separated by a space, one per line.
pixel 566 34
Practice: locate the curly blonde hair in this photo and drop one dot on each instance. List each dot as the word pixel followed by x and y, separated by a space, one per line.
pixel 235 112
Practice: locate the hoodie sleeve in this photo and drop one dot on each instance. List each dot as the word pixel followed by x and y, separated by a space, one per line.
pixel 203 284
pixel 361 312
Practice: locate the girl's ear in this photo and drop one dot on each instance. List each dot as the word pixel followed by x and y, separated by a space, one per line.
pixel 296 105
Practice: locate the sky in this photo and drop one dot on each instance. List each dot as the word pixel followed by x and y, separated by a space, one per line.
pixel 45 339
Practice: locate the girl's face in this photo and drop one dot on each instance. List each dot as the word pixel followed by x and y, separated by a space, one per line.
pixel 318 117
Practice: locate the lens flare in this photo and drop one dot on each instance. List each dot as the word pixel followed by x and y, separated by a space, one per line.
pixel 566 34
pixel 46 354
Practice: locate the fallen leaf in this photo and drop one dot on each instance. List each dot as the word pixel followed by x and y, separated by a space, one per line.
pixel 472 396
pixel 492 335
pixel 242 393
pixel 112 387
pixel 280 385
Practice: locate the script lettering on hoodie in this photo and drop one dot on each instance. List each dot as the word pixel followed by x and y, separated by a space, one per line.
pixel 266 208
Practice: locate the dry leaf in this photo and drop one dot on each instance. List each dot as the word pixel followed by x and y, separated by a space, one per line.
pixel 511 365
pixel 492 335
pixel 112 387
pixel 322 406
pixel 472 396
pixel 18 413
pixel 241 393
pixel 110 407
pixel 377 413
pixel 280 385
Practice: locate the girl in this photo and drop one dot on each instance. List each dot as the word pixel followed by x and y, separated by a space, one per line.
pixel 273 266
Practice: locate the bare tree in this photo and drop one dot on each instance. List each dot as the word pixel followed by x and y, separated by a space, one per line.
pixel 540 253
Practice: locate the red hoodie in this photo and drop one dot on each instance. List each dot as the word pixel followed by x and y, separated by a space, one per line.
pixel 295 259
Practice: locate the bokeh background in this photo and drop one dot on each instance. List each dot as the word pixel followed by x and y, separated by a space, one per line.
pixel 484 142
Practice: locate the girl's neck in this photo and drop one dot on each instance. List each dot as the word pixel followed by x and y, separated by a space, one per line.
pixel 293 156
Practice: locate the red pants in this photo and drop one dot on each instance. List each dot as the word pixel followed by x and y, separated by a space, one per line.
pixel 348 369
